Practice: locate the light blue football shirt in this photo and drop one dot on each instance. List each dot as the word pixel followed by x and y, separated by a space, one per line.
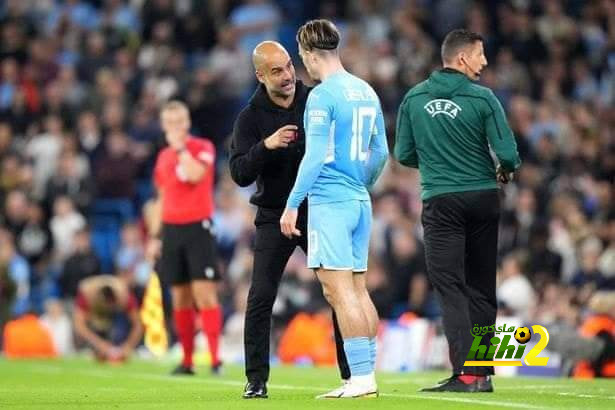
pixel 346 146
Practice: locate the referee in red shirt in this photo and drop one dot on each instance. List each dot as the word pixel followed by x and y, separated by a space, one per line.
pixel 184 177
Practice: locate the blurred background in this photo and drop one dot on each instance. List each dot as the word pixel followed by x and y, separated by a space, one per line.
pixel 81 84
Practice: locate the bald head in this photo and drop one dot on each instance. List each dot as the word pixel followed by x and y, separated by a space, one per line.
pixel 267 51
pixel 274 68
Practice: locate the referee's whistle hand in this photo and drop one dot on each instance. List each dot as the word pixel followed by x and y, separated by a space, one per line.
pixel 282 137
pixel 503 176
pixel 288 223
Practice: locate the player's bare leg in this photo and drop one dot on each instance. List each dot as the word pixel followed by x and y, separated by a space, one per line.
pixel 184 315
pixel 205 294
pixel 372 324
pixel 339 290
pixel 369 309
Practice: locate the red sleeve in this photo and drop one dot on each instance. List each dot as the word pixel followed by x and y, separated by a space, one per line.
pixel 81 302
pixel 206 152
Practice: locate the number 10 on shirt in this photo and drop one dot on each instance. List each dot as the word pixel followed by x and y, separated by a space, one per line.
pixel 361 134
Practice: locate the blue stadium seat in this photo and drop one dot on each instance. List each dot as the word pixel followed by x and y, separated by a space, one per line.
pixel 105 241
pixel 106 220
pixel 121 208
pixel 145 190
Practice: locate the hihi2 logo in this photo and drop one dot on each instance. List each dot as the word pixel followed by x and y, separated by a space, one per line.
pixel 500 348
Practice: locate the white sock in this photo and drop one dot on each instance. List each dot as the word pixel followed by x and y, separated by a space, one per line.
pixel 366 380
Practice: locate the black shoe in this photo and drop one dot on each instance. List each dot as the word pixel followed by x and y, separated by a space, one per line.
pixel 182 370
pixel 255 390
pixel 216 369
pixel 454 384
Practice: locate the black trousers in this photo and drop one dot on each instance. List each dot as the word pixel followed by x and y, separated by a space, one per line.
pixel 461 239
pixel 271 253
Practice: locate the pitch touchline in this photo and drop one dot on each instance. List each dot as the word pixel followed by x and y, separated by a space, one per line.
pixel 101 373
pixel 419 382
pixel 462 400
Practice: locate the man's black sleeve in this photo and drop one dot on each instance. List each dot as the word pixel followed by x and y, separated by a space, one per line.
pixel 248 151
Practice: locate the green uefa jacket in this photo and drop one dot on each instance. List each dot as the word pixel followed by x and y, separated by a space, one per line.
pixel 445 127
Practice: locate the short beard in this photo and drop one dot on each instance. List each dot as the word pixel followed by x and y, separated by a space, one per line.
pixel 281 94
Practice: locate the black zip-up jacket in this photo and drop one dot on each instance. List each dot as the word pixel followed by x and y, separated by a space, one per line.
pixel 273 170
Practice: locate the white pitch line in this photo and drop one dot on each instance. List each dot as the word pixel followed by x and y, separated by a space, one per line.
pixel 472 401
pixel 418 382
pixel 406 380
pixel 102 373
pixel 530 387
pixel 586 396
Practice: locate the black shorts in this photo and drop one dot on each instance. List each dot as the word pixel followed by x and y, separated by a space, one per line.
pixel 188 253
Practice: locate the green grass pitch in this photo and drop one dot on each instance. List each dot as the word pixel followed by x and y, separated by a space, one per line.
pixel 84 384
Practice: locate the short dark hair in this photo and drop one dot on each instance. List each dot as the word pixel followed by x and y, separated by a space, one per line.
pixel 318 34
pixel 455 41
pixel 108 294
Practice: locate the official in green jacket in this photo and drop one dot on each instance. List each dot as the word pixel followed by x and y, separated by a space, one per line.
pixel 448 127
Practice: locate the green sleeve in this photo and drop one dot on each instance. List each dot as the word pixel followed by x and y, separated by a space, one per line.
pixel 500 135
pixel 405 147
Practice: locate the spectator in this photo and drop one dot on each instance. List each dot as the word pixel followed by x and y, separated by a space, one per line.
pixel 379 287
pixel 130 253
pixel 74 91
pixel 17 272
pixel 11 175
pixel 89 134
pixel 543 263
pixel 255 21
pixel 6 138
pixel 118 15
pixel 13 37
pixel 44 150
pixel 106 317
pixel 35 241
pixel 16 211
pixel 65 223
pixel 554 24
pixel 116 169
pixel 81 264
pixel 59 325
pixel 406 269
pixel 95 57
pixel 228 212
pixel 70 181
pixel 514 289
pixel 230 69
pixel 9 84
pixel 76 13
pixel 588 273
pixel 7 295
pixel 154 11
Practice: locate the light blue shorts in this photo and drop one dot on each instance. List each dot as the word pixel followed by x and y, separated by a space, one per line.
pixel 338 235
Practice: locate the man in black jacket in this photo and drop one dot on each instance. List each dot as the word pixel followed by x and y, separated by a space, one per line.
pixel 267 147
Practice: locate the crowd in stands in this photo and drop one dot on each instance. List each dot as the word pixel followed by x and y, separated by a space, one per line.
pixel 82 81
